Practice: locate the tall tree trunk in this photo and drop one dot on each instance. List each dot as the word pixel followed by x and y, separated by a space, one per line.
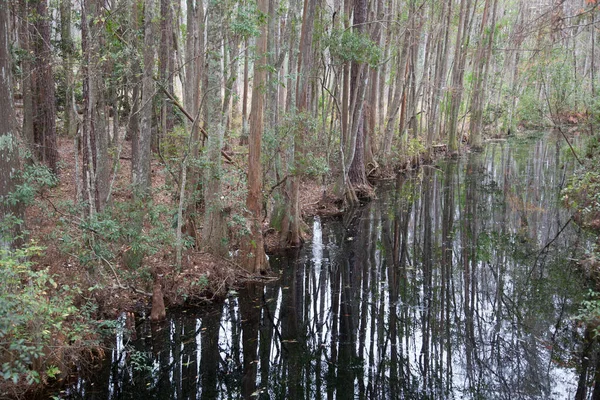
pixel 44 118
pixel 253 247
pixel 244 134
pixel 434 128
pixel 458 72
pixel 96 166
pixel 9 154
pixel 477 99
pixel 214 232
pixel 68 48
pixel 194 53
pixel 166 67
pixel 26 73
pixel 141 163
pixel 291 233
pixel 357 183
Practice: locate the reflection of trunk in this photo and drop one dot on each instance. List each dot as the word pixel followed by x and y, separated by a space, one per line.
pixel 292 349
pixel 469 248
pixel 250 315
pixel 596 394
pixel 446 265
pixel 189 376
pixel 209 367
pixel 346 338
pixel 335 313
pixel 266 333
pixel 427 276
pixel 586 355
pixel 175 352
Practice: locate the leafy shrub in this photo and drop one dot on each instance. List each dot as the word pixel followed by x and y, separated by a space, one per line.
pixel 38 319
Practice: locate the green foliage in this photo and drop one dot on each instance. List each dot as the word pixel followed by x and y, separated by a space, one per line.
pixel 34 179
pixel 589 312
pixel 124 233
pixel 531 111
pixel 583 191
pixel 348 46
pixel 246 20
pixel 35 313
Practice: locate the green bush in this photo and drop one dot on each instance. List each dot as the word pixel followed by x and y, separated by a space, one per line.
pixel 38 319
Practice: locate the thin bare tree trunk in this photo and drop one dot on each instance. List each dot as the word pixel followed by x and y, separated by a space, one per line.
pixel 477 100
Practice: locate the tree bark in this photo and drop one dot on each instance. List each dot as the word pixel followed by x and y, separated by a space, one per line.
pixel 254 258
pixel 291 234
pixel 357 178
pixel 9 154
pixel 96 166
pixel 26 73
pixel 44 124
pixel 166 67
pixel 214 233
pixel 141 163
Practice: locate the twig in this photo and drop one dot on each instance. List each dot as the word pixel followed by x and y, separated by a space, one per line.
pixel 111 267
pixel 281 182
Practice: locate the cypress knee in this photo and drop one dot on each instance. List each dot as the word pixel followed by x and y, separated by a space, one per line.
pixel 158 304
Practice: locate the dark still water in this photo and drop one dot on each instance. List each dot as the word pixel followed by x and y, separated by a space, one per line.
pixel 457 282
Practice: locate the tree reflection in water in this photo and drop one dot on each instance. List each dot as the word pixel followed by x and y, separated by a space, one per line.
pixel 444 287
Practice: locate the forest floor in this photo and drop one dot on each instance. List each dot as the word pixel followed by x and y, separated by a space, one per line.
pixel 203 277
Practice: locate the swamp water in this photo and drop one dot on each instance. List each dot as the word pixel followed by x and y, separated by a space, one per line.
pixel 457 282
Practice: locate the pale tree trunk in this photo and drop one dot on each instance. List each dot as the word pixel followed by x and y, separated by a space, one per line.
pixel 477 99
pixel 9 154
pixel 397 99
pixel 253 250
pixel 44 118
pixel 439 80
pixel 141 164
pixel 383 73
pixel 214 233
pixel 458 71
pixel 373 94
